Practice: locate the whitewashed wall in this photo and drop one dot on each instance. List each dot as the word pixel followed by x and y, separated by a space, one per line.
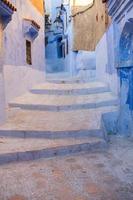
pixel 2 94
pixel 105 70
pixel 19 77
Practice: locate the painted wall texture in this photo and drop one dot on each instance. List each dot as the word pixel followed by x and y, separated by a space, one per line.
pixel 2 92
pixel 85 63
pixel 105 61
pixel 115 61
pixel 19 76
pixel 90 25
pixel 39 4
pixel 16 75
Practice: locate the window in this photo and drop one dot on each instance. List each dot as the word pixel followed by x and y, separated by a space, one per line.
pixel 28 53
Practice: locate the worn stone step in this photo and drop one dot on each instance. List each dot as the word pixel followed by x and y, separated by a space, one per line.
pixel 38 124
pixel 50 134
pixel 68 89
pixel 12 149
pixel 63 103
pixel 59 75
pixel 82 77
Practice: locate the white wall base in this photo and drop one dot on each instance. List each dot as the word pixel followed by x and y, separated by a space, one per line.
pixel 19 79
pixel 2 100
pixel 101 66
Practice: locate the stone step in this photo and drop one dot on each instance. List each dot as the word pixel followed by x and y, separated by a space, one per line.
pixel 38 124
pixel 63 103
pixel 82 76
pixel 12 149
pixel 59 75
pixel 88 78
pixel 70 89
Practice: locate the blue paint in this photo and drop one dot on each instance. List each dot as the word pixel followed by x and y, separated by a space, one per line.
pixel 52 41
pixel 59 47
pixel 123 74
pixel 130 91
pixel 126 61
pixel 5 13
pixel 120 55
pixel 126 76
pixel 125 45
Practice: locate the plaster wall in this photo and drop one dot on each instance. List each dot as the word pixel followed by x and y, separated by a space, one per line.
pixel 85 65
pixel 89 26
pixel 105 64
pixel 114 61
pixel 18 75
pixel 125 72
pixel 2 92
pixel 85 60
pixel 39 4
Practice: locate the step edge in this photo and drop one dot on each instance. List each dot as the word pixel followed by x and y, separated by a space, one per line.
pixel 43 153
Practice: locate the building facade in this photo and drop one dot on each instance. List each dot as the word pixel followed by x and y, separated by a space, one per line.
pixel 22 57
pixel 115 61
pixel 90 20
pixel 58 36
pixel 71 27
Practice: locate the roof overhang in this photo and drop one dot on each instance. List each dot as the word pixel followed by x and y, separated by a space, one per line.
pixel 6 10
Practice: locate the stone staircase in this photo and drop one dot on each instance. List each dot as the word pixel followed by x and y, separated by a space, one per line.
pixel 56 119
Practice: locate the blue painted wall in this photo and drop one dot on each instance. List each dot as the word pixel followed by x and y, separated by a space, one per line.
pixel 115 61
pixel 55 59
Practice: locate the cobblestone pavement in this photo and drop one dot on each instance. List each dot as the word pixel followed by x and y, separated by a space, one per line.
pixel 95 176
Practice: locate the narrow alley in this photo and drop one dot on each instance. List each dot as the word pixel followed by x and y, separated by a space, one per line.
pixel 66 100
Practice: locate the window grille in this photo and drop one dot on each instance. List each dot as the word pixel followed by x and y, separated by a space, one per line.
pixel 28 53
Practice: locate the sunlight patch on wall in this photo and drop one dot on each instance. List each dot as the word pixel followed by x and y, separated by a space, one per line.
pixel 39 5
pixel 83 2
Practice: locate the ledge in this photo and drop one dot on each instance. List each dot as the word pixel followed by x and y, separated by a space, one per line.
pixel 6 8
pixel 30 28
pixel 6 11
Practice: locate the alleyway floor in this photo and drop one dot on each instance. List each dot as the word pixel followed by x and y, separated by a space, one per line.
pixel 88 176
